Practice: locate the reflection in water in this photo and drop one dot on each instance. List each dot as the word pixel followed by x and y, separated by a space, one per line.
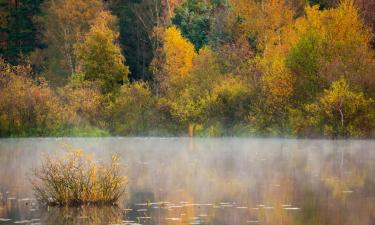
pixel 84 215
pixel 207 181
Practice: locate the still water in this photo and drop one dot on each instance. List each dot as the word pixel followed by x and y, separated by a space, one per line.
pixel 223 181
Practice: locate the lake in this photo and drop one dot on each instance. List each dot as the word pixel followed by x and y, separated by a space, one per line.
pixel 221 181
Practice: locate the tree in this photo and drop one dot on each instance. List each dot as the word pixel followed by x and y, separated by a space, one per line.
pixel 133 111
pixel 100 57
pixel 27 106
pixel 230 102
pixel 340 111
pixel 174 59
pixel 186 96
pixel 366 10
pixel 325 44
pixel 83 102
pixel 63 24
pixel 266 21
pixel 18 33
pixel 136 22
pixel 304 60
pixel 194 19
pixel 271 107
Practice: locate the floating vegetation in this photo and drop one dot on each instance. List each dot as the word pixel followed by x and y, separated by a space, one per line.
pixel 173 218
pixel 292 208
pixel 141 210
pixel 23 222
pixel 75 179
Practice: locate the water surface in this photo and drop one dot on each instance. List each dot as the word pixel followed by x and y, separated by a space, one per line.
pixel 222 181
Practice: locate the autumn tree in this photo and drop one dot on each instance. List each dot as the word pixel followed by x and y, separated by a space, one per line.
pixel 229 103
pixel 64 24
pixel 268 26
pixel 133 112
pixel 340 111
pixel 83 102
pixel 138 20
pixel 27 106
pixel 187 95
pixel 99 56
pixel 267 21
pixel 174 59
pixel 326 43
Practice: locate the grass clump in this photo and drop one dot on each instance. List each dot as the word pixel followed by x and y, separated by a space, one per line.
pixel 75 179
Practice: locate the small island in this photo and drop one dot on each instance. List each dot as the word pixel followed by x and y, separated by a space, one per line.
pixel 75 179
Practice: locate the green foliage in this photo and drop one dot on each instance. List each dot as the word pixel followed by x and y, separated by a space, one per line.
pixel 304 61
pixel 195 18
pixel 133 112
pixel 340 111
pixel 19 30
pixel 83 131
pixel 230 101
pixel 188 95
pixel 101 59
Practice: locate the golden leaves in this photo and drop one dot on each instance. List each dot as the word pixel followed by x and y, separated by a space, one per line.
pixel 179 53
pixel 75 179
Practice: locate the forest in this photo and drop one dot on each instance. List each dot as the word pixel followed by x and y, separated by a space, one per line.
pixel 294 68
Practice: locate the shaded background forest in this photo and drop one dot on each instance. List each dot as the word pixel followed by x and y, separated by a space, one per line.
pixel 187 67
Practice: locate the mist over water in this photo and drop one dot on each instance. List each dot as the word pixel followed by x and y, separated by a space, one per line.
pixel 206 181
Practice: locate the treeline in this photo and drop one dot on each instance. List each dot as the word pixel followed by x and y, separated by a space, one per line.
pixel 187 67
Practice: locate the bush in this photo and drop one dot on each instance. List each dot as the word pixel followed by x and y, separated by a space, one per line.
pixel 27 106
pixel 338 112
pixel 82 101
pixel 133 110
pixel 75 179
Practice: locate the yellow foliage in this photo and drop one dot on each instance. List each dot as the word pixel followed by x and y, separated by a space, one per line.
pixel 82 101
pixel 76 179
pixel 277 84
pixel 188 95
pixel 345 43
pixel 268 20
pixel 179 53
pixel 26 105
pixel 340 111
pixel 342 26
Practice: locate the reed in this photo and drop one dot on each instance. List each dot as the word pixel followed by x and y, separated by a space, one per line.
pixel 75 179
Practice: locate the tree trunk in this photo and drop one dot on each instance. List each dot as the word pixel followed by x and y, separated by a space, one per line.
pixel 191 129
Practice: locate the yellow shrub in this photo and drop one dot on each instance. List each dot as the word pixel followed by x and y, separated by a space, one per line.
pixel 75 179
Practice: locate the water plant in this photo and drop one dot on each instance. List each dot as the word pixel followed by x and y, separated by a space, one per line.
pixel 75 179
